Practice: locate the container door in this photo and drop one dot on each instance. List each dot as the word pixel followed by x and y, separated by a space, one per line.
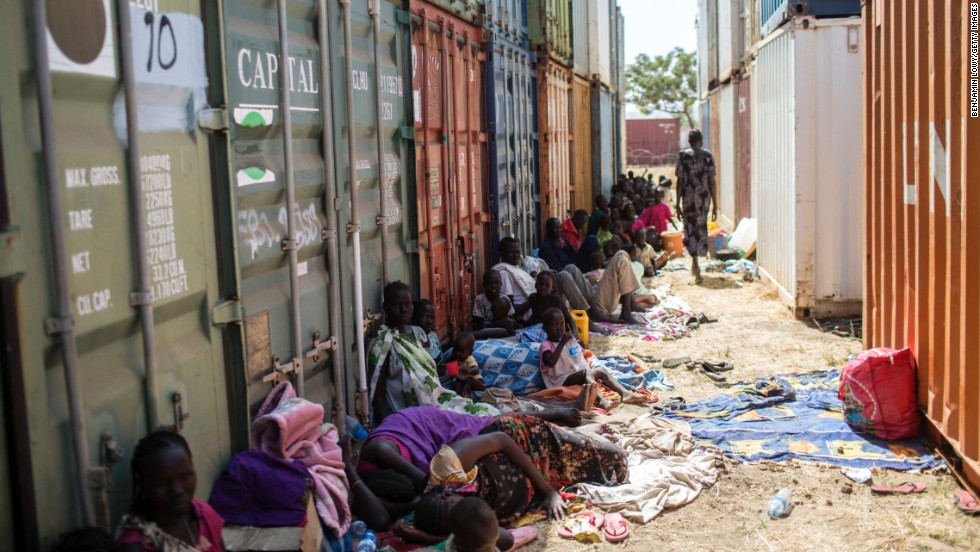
pixel 603 127
pixel 260 167
pixel 582 189
pixel 513 144
pixel 553 111
pixel 743 209
pixel 508 19
pixel 92 178
pixel 450 157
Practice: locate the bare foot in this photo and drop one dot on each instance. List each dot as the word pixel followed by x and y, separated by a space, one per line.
pixel 582 402
pixel 633 398
pixel 604 403
pixel 630 320
pixel 568 417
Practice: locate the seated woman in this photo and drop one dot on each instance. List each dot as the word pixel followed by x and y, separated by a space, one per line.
pixel 403 373
pixel 515 461
pixel 165 515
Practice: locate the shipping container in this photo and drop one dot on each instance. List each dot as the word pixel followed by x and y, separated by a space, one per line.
pixel 773 13
pixel 707 46
pixel 603 129
pixel 469 11
pixel 450 161
pixel 743 183
pixel 729 35
pixel 922 209
pixel 583 190
pixel 652 142
pixel 807 159
pixel 512 127
pixel 508 20
pixel 580 46
pixel 621 89
pixel 599 39
pixel 554 83
pixel 750 30
pixel 549 26
pixel 714 127
pixel 245 278
pixel 726 147
pixel 704 124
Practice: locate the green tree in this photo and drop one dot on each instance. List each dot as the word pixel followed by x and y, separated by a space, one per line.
pixel 667 83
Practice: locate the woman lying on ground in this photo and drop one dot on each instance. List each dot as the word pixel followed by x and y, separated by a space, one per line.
pixel 403 373
pixel 515 461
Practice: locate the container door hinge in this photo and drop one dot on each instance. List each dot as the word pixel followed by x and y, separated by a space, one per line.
pixel 320 347
pixel 59 325
pixel 407 133
pixel 279 371
pixel 227 312
pixel 213 118
pixel 352 228
pixel 140 298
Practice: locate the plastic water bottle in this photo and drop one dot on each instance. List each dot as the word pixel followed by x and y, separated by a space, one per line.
pixel 355 429
pixel 781 504
pixel 369 543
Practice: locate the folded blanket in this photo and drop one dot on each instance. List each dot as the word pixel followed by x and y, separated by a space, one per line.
pixel 509 365
pixel 294 430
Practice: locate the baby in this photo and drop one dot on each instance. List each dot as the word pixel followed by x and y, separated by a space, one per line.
pixel 475 527
pixel 483 316
pixel 563 361
pixel 469 378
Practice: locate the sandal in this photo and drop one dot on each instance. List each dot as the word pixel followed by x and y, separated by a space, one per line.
pixel 966 502
pixel 675 362
pixel 582 523
pixel 616 530
pixel 717 366
pixel 904 488
pixel 523 535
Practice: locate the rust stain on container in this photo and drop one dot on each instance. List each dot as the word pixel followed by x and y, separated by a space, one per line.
pixel 554 82
pixel 450 155
pixel 923 218
pixel 743 114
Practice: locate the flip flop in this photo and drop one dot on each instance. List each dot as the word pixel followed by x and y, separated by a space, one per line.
pixel 675 362
pixel 712 375
pixel 904 488
pixel 591 518
pixel 616 530
pixel 717 366
pixel 523 535
pixel 966 502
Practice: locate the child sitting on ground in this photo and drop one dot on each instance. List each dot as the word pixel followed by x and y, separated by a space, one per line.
pixel 597 262
pixel 483 316
pixel 563 362
pixel 474 526
pixel 543 299
pixel 424 316
pixel 502 309
pixel 469 378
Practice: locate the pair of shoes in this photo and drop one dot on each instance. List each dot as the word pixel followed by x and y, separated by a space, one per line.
pixel 677 362
pixel 671 404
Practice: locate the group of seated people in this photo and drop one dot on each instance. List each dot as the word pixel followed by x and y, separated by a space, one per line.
pixel 457 463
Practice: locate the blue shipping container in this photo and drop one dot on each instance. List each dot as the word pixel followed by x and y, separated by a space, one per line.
pixel 603 127
pixel 512 127
pixel 508 19
pixel 772 13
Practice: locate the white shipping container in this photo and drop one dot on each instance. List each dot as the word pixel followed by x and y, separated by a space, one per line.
pixel 600 38
pixel 726 158
pixel 580 37
pixel 807 164
pixel 707 46
pixel 727 16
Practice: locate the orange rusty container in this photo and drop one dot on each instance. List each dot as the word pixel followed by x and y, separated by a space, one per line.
pixel 922 200
pixel 582 189
pixel 450 159
pixel 554 84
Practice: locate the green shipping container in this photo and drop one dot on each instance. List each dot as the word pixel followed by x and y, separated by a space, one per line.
pixel 550 29
pixel 214 155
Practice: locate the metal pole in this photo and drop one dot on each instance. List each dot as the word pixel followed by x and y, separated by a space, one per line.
pixel 375 13
pixel 290 245
pixel 143 296
pixel 330 208
pixel 63 323
pixel 355 220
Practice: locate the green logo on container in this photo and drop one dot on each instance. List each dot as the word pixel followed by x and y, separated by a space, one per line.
pixel 254 175
pixel 253 117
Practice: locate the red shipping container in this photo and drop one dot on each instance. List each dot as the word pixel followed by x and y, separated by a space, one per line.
pixel 450 156
pixel 652 142
pixel 554 85
pixel 743 201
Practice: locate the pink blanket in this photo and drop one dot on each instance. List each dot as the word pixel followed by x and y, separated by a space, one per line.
pixel 292 428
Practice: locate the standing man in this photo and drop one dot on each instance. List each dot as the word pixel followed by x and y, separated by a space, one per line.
pixel 695 188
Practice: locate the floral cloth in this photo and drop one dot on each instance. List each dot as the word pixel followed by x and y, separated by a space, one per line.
pixel 150 537
pixel 414 373
pixel 562 456
pixel 695 167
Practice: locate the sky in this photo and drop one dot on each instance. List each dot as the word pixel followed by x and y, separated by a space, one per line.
pixel 655 27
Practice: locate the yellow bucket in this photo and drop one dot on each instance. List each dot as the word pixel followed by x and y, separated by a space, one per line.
pixel 581 319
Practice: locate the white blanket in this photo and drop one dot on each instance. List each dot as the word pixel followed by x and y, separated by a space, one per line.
pixel 668 469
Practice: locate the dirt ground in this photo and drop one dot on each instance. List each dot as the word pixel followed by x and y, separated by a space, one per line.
pixel 758 334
